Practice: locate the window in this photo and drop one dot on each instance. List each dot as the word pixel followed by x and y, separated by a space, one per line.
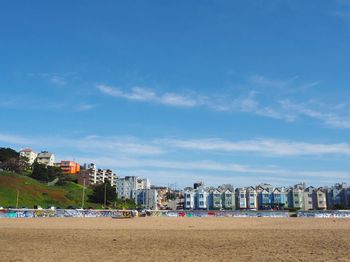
pixel 188 195
pixel 216 195
pixel 217 203
pixel 228 195
pixel 242 195
pixel 251 195
pixel 188 203
pixel 296 202
pixel 201 195
pixel 310 202
pixel 309 195
pixel 201 203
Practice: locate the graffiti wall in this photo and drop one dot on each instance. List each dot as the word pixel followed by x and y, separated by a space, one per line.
pixel 34 213
pixel 325 214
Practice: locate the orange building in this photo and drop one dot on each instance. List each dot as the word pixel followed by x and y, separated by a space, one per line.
pixel 70 167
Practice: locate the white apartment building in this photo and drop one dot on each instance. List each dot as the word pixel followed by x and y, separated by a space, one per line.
pixel 99 176
pixel 201 198
pixel 28 154
pixel 241 196
pixel 46 158
pixel 146 198
pixel 188 199
pixel 126 186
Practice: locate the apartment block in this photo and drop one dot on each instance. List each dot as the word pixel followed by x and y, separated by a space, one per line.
pixel 28 154
pixel 46 158
pixel 146 198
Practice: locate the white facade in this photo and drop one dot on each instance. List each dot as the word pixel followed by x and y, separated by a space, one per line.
pixel 147 198
pixel 201 199
pixel 46 158
pixel 99 176
pixel 188 199
pixel 126 186
pixel 241 198
pixel 252 198
pixel 29 155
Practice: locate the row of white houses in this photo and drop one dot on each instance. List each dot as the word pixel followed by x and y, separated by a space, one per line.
pixel 267 197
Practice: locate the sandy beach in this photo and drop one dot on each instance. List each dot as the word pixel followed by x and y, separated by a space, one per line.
pixel 174 239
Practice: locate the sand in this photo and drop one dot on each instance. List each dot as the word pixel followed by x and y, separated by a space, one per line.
pixel 175 239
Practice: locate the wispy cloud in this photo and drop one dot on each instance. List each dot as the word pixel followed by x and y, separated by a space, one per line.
pixel 265 103
pixel 57 80
pixel 330 119
pixel 266 147
pixel 127 155
pixel 148 95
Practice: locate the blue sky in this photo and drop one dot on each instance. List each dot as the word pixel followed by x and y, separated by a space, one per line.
pixel 238 92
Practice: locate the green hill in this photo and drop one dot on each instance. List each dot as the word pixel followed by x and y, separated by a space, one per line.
pixel 33 192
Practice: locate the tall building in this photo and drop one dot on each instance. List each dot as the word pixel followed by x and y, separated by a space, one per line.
pixel 126 186
pixel 46 158
pixel 146 198
pixel 28 154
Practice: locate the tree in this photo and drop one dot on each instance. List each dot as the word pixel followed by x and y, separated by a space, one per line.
pixel 46 174
pixel 102 190
pixel 8 153
pixel 14 165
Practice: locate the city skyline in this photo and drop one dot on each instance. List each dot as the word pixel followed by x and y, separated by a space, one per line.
pixel 222 91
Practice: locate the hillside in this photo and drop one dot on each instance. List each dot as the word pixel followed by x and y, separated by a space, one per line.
pixel 32 192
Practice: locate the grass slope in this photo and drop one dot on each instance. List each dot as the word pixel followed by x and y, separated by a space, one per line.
pixel 33 192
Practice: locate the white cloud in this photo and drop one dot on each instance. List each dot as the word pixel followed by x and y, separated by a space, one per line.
pixel 148 95
pixel 267 147
pixel 57 80
pixel 127 155
pixel 329 118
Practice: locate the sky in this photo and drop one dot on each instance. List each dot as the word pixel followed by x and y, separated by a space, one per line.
pixel 239 92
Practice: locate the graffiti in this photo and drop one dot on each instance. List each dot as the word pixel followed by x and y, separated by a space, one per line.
pixel 90 213
pixel 325 214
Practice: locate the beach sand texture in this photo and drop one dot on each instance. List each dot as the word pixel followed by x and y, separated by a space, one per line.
pixel 174 239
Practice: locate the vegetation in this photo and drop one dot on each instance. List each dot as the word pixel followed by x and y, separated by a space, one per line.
pixel 47 186
pixel 103 193
pixel 34 193
pixel 7 153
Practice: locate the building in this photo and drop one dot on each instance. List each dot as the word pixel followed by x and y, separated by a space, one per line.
pixel 162 195
pixel 69 167
pixel 252 198
pixel 101 175
pixel 46 158
pixel 147 198
pixel 201 199
pixel 188 199
pixel 336 196
pixel 126 186
pixel 28 154
pixel 83 178
pixel 280 198
pixel 228 199
pixel 296 198
pixel 309 198
pixel 241 198
pixel 321 199
pixel 215 200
